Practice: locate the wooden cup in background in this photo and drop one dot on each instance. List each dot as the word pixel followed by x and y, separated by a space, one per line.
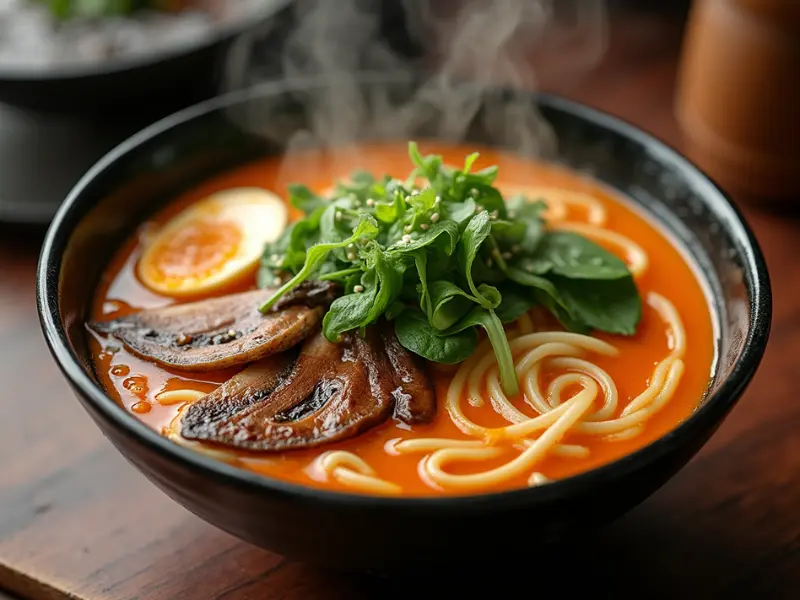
pixel 738 99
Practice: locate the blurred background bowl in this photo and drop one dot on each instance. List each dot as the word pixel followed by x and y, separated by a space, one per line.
pixel 149 84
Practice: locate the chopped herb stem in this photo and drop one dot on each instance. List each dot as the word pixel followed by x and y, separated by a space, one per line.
pixel 339 274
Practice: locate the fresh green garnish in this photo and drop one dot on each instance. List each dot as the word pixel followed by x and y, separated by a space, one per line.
pixel 445 259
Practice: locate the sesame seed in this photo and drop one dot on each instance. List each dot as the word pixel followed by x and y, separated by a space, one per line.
pixel 358 289
pixel 338 216
pixel 507 255
pixel 424 226
pixel 278 280
pixel 407 228
pixel 370 202
pixel 351 256
pixel 438 198
pixel 434 217
pixel 512 214
pixel 351 246
pixel 406 238
pixel 414 192
pixel 274 258
pixel 479 208
pixel 496 253
pixel 516 248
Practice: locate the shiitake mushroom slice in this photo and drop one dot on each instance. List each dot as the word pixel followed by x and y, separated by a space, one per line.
pixel 221 332
pixel 333 391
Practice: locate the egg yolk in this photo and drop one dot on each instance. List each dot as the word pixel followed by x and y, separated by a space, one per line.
pixel 196 250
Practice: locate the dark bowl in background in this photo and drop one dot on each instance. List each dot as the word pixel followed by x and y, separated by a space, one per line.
pixel 364 532
pixel 154 84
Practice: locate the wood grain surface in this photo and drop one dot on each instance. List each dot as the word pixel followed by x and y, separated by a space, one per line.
pixel 76 521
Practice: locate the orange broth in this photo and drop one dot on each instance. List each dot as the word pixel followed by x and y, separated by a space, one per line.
pixel 134 382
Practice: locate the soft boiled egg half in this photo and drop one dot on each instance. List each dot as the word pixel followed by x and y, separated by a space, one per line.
pixel 213 243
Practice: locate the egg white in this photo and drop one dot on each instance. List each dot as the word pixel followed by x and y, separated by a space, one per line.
pixel 260 217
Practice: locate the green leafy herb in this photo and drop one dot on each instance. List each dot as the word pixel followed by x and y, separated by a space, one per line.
pixel 416 334
pixel 443 256
pixel 575 257
pixel 489 321
pixel 449 304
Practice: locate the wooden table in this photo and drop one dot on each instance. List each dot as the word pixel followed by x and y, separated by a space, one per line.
pixel 76 521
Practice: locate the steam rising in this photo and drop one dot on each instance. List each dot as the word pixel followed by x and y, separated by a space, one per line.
pixel 475 46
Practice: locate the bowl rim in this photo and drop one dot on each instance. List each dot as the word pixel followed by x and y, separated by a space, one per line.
pixel 79 71
pixel 707 416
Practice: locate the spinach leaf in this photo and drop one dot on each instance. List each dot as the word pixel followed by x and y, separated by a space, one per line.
pixel 389 212
pixel 428 166
pixel 482 272
pixel 490 322
pixel 389 281
pixel 469 160
pixel 381 283
pixel 571 255
pixel 529 213
pixel 476 231
pixel 421 262
pixel 423 202
pixel 416 335
pixel 613 306
pixel 350 311
pixel 516 301
pixel 509 233
pixel 546 294
pixel 450 303
pixel 288 253
pixel 304 199
pixel 445 232
pixel 394 310
pixel 367 229
pixel 486 196
pixel 458 212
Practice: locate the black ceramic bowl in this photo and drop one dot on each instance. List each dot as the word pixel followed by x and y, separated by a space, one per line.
pixel 355 531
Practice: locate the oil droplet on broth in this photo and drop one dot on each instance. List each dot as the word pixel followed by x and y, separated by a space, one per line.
pixel 141 407
pixel 136 384
pixel 120 370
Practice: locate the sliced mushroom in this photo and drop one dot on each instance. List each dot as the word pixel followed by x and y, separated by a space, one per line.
pixel 309 293
pixel 240 392
pixel 414 394
pixel 333 392
pixel 221 332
